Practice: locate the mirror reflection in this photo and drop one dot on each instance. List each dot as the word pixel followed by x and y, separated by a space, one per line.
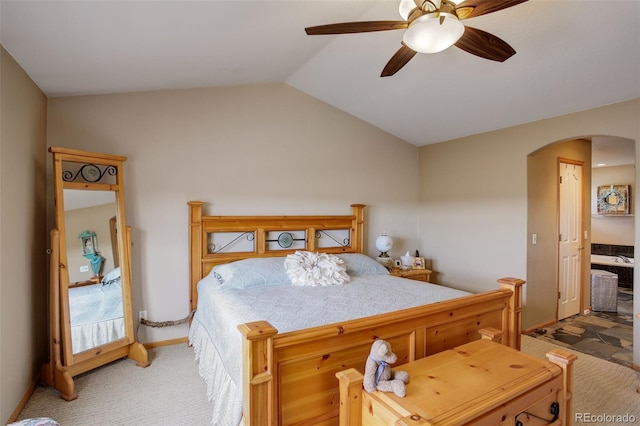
pixel 95 288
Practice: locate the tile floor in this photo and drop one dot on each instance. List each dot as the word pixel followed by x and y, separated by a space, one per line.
pixel 606 335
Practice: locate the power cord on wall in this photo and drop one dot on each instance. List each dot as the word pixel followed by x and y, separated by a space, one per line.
pixel 159 324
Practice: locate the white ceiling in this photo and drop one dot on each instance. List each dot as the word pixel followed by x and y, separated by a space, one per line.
pixel 608 151
pixel 572 55
pixel 79 199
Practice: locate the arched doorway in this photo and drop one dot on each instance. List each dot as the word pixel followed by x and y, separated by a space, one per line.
pixel 608 160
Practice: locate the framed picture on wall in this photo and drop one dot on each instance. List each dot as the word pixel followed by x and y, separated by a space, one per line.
pixel 613 199
pixel 89 242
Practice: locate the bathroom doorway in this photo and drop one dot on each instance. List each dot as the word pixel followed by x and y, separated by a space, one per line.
pixel 612 233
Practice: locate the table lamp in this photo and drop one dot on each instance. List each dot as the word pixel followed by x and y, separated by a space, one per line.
pixel 384 244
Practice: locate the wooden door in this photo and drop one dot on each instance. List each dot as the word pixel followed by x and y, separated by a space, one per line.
pixel 570 238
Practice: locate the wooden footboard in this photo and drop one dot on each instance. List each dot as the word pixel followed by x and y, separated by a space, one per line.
pixel 289 378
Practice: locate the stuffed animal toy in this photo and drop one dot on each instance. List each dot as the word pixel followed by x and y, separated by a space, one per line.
pixel 378 373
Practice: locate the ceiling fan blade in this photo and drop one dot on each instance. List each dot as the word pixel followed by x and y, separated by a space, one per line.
pixel 356 27
pixel 398 60
pixel 485 45
pixel 472 8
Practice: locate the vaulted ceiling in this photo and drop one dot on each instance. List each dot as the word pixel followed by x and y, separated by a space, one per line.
pixel 572 55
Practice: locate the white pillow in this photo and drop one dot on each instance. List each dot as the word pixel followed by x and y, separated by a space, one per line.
pixel 252 272
pixel 315 269
pixel 112 276
pixel 359 264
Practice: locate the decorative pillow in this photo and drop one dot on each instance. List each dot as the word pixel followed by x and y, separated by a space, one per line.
pixel 37 421
pixel 315 269
pixel 254 272
pixel 359 264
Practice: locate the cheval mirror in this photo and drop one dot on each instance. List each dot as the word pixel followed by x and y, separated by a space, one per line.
pixel 91 320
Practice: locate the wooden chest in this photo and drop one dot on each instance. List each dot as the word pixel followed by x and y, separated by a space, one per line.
pixel 479 383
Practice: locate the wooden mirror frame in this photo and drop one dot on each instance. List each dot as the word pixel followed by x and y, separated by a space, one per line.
pixel 63 364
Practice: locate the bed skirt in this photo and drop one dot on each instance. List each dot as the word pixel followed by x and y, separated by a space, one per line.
pixel 89 336
pixel 221 390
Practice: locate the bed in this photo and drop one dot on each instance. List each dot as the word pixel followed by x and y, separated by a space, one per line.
pixel 269 351
pixel 96 313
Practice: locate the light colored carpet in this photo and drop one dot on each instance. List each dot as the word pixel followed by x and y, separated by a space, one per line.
pixel 601 388
pixel 171 392
pixel 168 392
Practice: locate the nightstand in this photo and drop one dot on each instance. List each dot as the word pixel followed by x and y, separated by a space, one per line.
pixel 413 274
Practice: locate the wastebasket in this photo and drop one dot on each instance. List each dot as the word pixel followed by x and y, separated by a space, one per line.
pixel 604 291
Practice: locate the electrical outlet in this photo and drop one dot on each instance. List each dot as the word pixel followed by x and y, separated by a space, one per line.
pixel 84 268
pixel 142 315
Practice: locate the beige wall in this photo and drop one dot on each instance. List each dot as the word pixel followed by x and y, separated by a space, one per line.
pixel 266 149
pixel 473 203
pixel 616 230
pixel 23 262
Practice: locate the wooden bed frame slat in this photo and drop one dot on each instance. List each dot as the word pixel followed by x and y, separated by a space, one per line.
pixel 289 378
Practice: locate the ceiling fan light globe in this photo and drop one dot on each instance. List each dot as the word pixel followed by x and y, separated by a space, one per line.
pixel 431 34
pixel 405 8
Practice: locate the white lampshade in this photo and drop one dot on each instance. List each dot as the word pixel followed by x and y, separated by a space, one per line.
pixel 433 32
pixel 384 244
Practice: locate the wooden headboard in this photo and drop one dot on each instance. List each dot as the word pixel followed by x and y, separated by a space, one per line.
pixel 202 257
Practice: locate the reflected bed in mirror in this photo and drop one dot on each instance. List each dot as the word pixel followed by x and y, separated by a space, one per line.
pixel 95 298
pixel 96 313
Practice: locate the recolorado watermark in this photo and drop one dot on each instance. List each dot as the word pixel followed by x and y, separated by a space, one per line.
pixel 604 418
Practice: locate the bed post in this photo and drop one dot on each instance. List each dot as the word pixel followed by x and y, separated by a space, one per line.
pixel 357 228
pixel 195 251
pixel 350 382
pixel 259 405
pixel 564 359
pixel 513 314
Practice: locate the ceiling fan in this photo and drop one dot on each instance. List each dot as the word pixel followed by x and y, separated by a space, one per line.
pixel 433 26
